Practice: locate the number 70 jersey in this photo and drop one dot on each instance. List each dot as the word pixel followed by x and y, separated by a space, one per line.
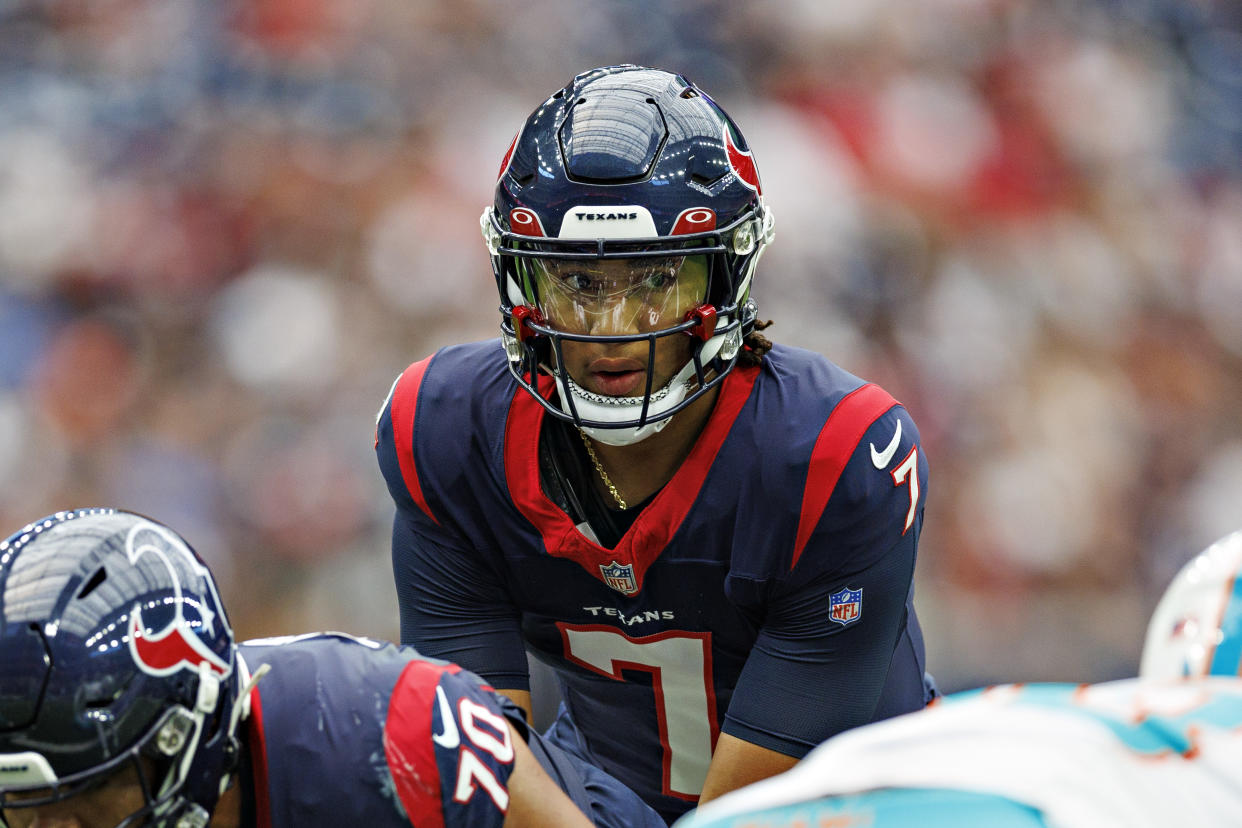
pixel 350 731
pixel 1125 753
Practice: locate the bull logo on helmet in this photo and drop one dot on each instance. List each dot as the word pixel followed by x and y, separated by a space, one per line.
pixel 742 162
pixel 177 646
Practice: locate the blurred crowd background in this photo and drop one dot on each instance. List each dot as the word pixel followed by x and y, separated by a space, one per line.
pixel 227 225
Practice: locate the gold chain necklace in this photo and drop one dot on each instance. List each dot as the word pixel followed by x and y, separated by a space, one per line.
pixel 599 467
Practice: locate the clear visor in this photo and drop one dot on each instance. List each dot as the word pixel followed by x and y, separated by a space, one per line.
pixel 617 296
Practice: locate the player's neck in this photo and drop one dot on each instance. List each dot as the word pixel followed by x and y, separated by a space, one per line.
pixel 228 811
pixel 641 469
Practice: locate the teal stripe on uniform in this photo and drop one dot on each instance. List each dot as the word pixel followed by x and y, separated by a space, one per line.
pixel 890 808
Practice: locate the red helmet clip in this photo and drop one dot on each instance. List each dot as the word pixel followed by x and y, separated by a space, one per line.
pixel 523 316
pixel 706 327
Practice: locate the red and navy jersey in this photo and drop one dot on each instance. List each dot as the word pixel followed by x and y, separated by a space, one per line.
pixel 766 590
pixel 348 731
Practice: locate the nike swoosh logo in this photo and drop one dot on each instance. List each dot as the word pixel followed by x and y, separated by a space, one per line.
pixel 450 738
pixel 881 459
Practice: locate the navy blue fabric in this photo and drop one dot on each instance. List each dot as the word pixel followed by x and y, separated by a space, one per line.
pixel 479 577
pixel 326 722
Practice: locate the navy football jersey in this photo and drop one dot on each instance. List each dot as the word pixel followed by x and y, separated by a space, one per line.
pixel 765 591
pixel 349 731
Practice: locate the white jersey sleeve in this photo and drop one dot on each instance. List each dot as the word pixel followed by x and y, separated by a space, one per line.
pixel 1125 753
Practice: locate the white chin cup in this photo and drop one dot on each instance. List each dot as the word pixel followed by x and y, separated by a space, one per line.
pixel 593 407
pixel 599 408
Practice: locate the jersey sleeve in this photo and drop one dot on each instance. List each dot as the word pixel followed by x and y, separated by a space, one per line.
pixel 453 607
pixel 837 647
pixel 449 748
pixel 453 604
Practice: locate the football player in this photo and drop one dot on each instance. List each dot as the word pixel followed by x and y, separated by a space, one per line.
pixel 1162 749
pixel 1131 753
pixel 125 701
pixel 710 538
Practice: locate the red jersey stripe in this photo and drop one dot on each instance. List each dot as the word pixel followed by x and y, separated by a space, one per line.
pixel 403 408
pixel 408 747
pixel 656 525
pixel 834 447
pixel 257 745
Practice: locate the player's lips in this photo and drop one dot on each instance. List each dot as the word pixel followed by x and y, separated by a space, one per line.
pixel 617 377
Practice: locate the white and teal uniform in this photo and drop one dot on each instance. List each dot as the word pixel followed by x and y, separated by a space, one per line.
pixel 1125 753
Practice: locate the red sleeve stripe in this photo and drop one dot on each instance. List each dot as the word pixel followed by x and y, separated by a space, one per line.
pixel 408 748
pixel 403 406
pixel 834 447
pixel 257 741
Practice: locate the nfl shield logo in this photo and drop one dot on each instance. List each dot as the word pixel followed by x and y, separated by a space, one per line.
pixel 619 577
pixel 845 607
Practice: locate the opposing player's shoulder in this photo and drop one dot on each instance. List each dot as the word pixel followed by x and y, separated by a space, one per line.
pixel 1212 700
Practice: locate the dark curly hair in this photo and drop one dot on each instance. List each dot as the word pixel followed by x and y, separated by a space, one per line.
pixel 754 346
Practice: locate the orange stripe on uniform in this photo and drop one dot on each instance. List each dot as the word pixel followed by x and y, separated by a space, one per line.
pixel 834 447
pixel 403 408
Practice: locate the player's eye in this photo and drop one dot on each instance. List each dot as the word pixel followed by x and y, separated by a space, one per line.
pixel 660 279
pixel 579 282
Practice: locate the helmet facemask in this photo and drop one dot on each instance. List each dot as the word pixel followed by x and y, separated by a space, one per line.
pixel 169 762
pixel 615 292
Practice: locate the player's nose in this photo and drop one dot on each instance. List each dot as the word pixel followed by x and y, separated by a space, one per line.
pixel 622 316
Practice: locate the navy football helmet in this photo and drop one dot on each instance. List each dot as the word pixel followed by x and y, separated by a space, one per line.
pixel 639 166
pixel 114 651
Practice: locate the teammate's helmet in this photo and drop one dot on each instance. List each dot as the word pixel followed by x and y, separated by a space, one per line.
pixel 114 651
pixel 635 164
pixel 1196 629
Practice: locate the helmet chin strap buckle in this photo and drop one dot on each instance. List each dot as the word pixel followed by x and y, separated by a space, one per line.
pixel 523 316
pixel 705 328
pixel 208 689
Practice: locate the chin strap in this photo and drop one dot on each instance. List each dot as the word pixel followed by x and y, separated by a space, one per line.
pixel 601 408
pixel 598 408
pixel 241 710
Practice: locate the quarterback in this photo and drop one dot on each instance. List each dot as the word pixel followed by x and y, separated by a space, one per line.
pixel 710 538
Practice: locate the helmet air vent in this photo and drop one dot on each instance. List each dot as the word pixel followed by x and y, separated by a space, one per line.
pixel 702 170
pixel 612 139
pixel 92 583
pixel 104 701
